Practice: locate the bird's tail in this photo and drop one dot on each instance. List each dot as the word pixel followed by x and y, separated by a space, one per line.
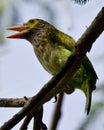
pixel 88 99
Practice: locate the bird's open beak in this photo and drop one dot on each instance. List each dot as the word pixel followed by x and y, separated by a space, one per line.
pixel 21 29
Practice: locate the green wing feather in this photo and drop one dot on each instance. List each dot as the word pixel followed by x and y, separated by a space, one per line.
pixel 85 78
pixel 91 82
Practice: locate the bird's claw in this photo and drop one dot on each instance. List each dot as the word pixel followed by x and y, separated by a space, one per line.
pixel 55 97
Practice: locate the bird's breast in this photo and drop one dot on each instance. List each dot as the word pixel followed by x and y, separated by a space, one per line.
pixel 51 58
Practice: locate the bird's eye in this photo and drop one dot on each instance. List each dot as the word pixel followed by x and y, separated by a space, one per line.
pixel 31 21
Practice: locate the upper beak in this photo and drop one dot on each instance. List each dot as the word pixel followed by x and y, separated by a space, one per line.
pixel 20 28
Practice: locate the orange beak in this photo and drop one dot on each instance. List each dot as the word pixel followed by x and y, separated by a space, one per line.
pixel 21 29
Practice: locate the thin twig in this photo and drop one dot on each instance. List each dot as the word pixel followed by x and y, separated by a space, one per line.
pixel 27 120
pixel 57 112
pixel 38 119
pixel 36 124
pixel 13 102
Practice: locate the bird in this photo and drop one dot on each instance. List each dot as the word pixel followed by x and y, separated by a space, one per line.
pixel 52 48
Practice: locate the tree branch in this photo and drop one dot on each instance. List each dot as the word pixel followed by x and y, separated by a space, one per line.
pixel 13 102
pixel 57 112
pixel 56 84
pixel 26 121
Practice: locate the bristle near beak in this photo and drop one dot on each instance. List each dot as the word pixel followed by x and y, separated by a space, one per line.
pixel 20 28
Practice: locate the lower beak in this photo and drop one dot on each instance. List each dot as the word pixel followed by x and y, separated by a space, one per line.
pixel 21 29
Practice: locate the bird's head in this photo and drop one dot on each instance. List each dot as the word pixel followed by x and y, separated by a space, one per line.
pixel 25 29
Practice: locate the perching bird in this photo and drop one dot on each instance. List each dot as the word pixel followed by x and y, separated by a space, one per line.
pixel 52 48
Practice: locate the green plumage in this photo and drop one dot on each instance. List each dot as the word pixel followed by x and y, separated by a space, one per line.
pixel 53 47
